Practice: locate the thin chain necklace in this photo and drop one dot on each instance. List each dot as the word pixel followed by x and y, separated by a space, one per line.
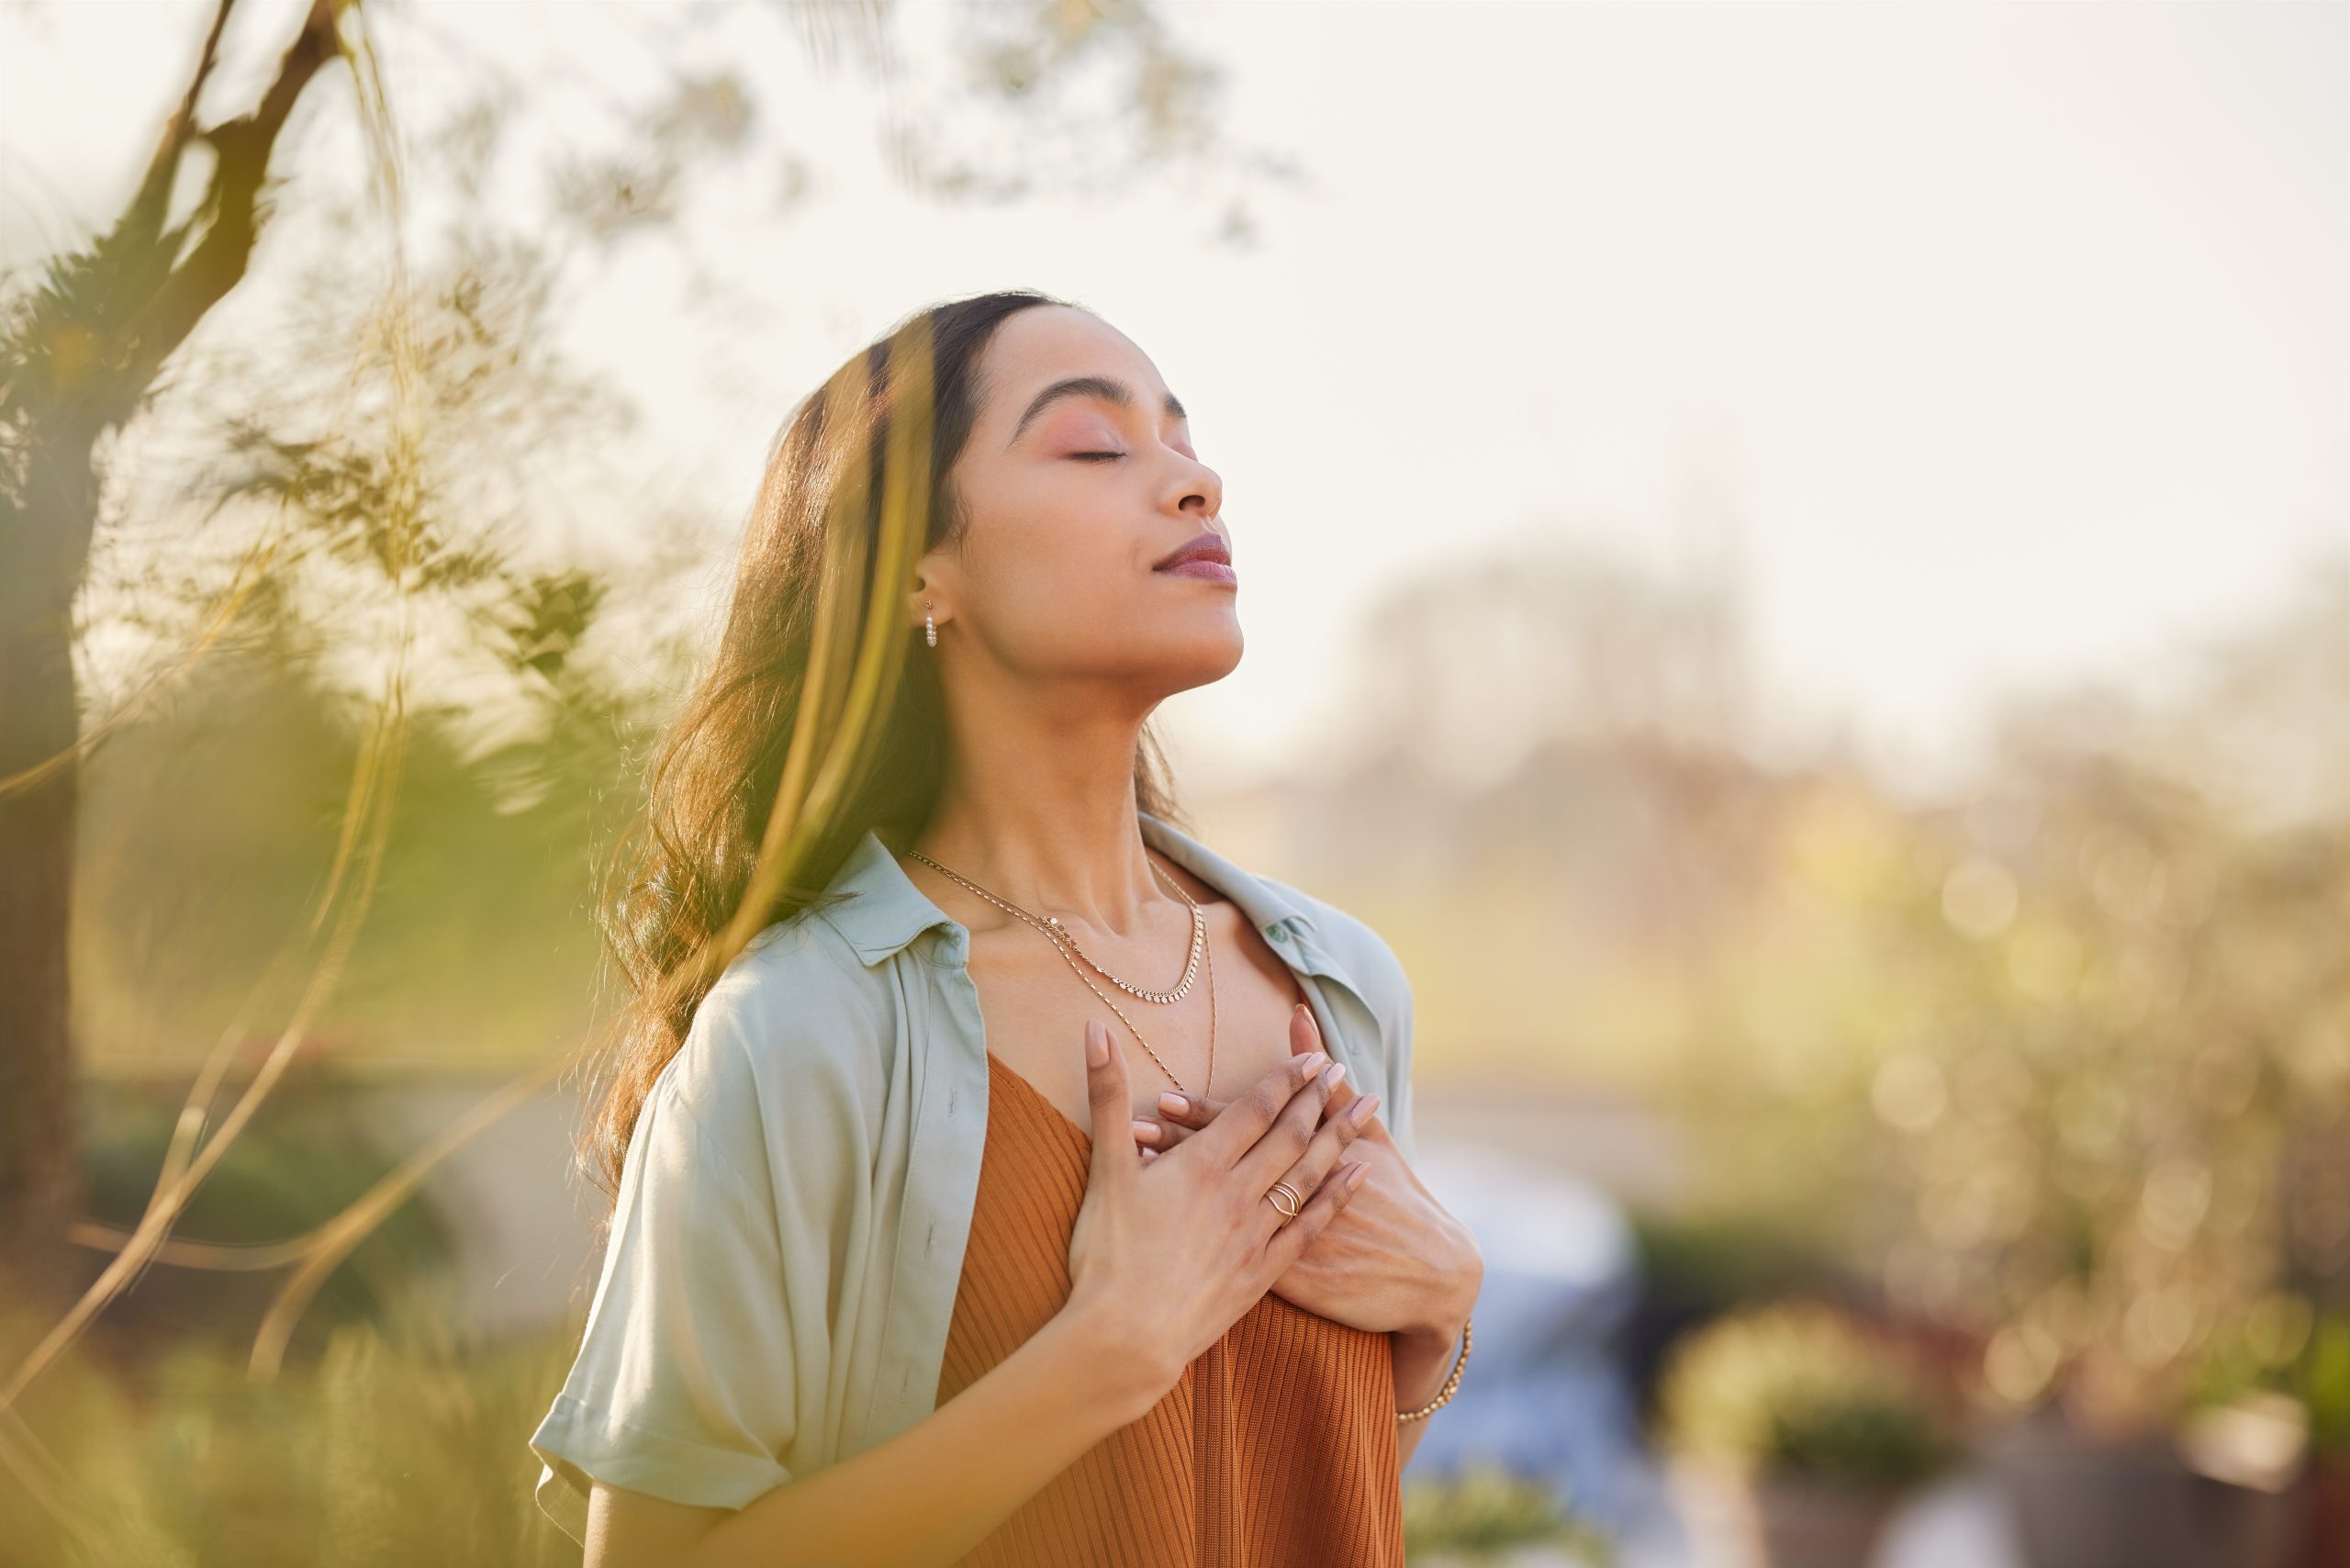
pixel 1065 943
pixel 1061 936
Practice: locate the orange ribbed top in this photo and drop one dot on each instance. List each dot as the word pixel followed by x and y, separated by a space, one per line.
pixel 1276 1447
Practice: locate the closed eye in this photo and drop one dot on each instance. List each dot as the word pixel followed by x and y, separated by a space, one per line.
pixel 1089 456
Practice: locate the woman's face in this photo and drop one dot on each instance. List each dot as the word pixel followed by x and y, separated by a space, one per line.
pixel 1072 498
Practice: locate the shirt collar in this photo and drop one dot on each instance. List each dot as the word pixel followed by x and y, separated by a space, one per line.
pixel 873 903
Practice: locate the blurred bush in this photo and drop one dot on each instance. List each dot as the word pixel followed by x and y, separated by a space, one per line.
pixel 2280 1347
pixel 307 1157
pixel 2321 1377
pixel 1485 1514
pixel 1796 1388
pixel 402 1443
pixel 2064 1064
pixel 1698 1264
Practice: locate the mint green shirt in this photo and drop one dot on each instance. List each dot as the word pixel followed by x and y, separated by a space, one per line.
pixel 787 1235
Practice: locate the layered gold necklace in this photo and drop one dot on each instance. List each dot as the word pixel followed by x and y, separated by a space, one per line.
pixel 1066 945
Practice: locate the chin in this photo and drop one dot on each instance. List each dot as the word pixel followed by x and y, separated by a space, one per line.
pixel 1199 657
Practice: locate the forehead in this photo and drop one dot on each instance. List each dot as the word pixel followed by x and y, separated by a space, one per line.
pixel 1033 348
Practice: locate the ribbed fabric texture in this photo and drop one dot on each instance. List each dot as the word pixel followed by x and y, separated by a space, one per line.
pixel 1275 1449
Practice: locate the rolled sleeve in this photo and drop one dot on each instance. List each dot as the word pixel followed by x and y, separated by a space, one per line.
pixel 684 1385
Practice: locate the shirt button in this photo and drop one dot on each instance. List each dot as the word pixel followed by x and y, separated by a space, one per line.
pixel 1278 932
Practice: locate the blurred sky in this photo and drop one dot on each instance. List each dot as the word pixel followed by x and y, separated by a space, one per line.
pixel 1995 346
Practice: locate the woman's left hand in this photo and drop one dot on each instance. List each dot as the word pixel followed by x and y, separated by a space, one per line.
pixel 1393 1259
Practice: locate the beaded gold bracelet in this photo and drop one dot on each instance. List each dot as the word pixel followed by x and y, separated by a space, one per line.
pixel 1451 1385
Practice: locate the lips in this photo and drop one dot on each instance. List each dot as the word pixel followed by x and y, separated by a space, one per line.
pixel 1203 556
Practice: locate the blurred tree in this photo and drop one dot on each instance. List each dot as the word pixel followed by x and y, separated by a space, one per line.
pixel 1475 669
pixel 368 535
pixel 2068 1063
pixel 78 357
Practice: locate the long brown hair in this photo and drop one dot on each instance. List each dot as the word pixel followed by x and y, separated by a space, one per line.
pixel 815 723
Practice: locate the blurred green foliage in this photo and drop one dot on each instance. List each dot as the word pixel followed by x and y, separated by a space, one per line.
pixel 2321 1377
pixel 2081 1087
pixel 293 1170
pixel 1483 1512
pixel 1695 1264
pixel 2064 1065
pixel 1796 1388
pixel 211 823
pixel 402 1443
pixel 2311 1361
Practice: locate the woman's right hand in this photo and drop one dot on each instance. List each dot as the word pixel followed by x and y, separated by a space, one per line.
pixel 1172 1251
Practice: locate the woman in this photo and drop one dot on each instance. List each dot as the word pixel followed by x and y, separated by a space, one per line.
pixel 908 1262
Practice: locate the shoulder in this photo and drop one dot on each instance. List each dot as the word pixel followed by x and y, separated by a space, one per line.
pixel 1364 955
pixel 792 1036
pixel 1354 948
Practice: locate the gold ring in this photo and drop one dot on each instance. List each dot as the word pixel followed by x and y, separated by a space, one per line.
pixel 1296 1201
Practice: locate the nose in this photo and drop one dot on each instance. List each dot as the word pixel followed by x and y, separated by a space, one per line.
pixel 1203 485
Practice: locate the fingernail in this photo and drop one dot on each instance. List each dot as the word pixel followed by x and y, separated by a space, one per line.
pixel 1360 1111
pixel 1097 1043
pixel 1173 1105
pixel 1356 1180
pixel 1312 1060
pixel 1331 1074
pixel 1145 1129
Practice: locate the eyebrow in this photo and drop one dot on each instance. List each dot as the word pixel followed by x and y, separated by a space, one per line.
pixel 1108 389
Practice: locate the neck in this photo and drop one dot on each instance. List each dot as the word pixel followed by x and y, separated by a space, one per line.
pixel 1042 814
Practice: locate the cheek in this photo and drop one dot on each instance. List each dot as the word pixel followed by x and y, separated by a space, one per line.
pixel 1044 523
pixel 1071 593
pixel 1052 591
pixel 1060 552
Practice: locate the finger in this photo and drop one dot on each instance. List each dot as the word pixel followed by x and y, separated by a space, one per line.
pixel 1188 1110
pixel 1160 1135
pixel 1295 1236
pixel 1275 1156
pixel 1342 1098
pixel 1306 1034
pixel 1109 1101
pixel 1324 1153
pixel 1249 1118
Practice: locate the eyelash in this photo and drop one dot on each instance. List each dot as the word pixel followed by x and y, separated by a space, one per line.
pixel 1088 455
